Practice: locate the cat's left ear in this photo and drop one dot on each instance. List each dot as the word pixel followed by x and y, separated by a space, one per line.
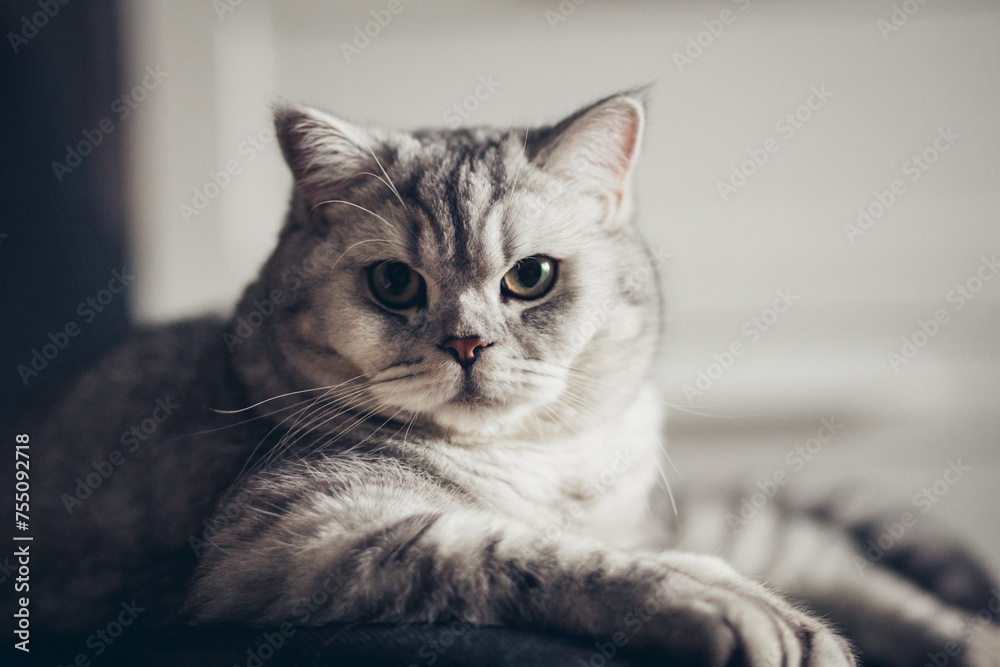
pixel 597 147
pixel 324 152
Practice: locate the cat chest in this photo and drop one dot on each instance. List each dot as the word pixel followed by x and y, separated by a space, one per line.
pixel 600 490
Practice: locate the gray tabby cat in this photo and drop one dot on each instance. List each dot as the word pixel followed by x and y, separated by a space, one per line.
pixel 434 404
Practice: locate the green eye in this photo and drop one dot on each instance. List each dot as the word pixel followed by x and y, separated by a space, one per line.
pixel 396 285
pixel 530 278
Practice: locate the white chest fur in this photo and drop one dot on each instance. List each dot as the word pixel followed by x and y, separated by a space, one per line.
pixel 595 482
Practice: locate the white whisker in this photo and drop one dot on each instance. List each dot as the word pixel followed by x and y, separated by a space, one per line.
pixel 384 181
pixel 344 201
pixel 388 180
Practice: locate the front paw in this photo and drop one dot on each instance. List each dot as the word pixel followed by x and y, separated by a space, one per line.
pixel 737 622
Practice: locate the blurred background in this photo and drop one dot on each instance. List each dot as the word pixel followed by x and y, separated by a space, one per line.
pixel 824 178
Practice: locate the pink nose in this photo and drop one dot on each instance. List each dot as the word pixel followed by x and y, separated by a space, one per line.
pixel 465 350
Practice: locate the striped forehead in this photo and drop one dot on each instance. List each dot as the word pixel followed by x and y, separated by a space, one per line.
pixel 455 201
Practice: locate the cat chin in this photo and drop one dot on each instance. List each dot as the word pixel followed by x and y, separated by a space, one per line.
pixel 481 419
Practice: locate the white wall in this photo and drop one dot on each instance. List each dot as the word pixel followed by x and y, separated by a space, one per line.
pixel 783 229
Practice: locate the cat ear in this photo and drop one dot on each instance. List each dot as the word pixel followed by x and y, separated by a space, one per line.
pixel 323 151
pixel 597 147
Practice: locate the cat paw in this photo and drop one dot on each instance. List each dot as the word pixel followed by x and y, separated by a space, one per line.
pixel 740 623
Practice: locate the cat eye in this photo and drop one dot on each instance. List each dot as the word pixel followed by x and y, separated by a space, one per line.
pixel 396 285
pixel 530 278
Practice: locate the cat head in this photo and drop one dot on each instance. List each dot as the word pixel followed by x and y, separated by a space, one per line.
pixel 477 280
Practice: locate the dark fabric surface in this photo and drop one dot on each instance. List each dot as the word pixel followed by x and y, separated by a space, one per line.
pixel 376 645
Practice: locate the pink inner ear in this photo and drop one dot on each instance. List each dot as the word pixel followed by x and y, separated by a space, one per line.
pixel 627 139
pixel 628 145
pixel 598 147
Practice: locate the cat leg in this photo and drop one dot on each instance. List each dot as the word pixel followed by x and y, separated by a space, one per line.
pixel 449 562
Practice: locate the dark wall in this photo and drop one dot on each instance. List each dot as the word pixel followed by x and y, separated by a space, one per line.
pixel 61 228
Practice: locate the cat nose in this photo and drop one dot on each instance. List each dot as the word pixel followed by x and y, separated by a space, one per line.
pixel 465 350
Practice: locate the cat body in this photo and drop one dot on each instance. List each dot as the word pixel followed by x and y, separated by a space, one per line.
pixel 435 404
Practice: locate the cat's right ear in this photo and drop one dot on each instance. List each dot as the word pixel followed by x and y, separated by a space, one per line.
pixel 596 149
pixel 324 152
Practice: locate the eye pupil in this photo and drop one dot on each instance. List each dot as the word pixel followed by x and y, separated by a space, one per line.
pixel 529 271
pixel 396 278
pixel 396 285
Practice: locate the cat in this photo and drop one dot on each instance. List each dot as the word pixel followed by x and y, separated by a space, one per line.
pixel 435 404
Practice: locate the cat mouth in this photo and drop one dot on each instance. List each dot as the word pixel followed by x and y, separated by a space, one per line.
pixel 469 394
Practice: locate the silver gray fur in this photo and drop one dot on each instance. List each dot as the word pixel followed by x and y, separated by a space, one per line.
pixel 347 457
